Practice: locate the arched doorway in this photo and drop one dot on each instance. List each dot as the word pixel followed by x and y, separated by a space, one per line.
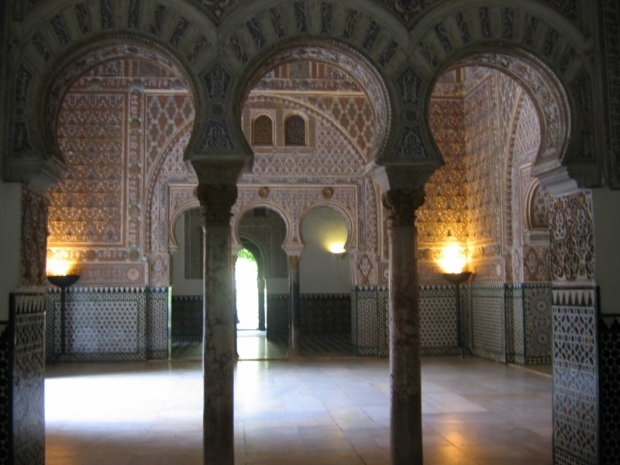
pixel 123 118
pixel 325 283
pixel 262 231
pixel 246 283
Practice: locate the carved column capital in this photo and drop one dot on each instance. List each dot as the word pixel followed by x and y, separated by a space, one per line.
pixel 293 262
pixel 217 201
pixel 401 205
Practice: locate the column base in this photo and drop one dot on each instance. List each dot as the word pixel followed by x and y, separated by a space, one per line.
pixel 294 354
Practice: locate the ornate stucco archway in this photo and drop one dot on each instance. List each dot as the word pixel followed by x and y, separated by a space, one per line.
pixel 217 45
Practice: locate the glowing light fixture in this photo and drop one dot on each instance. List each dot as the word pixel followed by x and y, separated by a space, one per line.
pixel 336 248
pixel 57 267
pixel 453 259
pixel 58 274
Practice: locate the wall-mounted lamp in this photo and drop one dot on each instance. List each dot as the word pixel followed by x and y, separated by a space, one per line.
pixel 337 248
pixel 58 277
pixel 453 258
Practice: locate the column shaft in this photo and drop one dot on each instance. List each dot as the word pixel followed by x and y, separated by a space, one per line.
pixel 219 326
pixel 405 367
pixel 294 331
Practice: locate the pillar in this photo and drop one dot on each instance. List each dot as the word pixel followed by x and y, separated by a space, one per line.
pixel 405 366
pixel 219 354
pixel 294 323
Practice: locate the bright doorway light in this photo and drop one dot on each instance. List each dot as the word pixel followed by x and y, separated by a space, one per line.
pixel 246 279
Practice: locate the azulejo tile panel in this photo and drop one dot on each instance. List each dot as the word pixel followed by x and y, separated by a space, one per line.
pixel 488 321
pixel 5 392
pixel 609 358
pixel 186 319
pixel 437 315
pixel 27 328
pixel 383 321
pixel 322 316
pixel 325 315
pixel 575 376
pixel 157 322
pixel 438 319
pixel 515 352
pixel 104 324
pixel 277 316
pixel 367 321
pixel 537 322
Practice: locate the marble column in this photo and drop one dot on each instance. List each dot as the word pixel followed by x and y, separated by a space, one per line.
pixel 405 368
pixel 219 325
pixel 294 323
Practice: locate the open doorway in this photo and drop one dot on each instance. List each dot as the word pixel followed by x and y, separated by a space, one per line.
pixel 260 282
pixel 246 283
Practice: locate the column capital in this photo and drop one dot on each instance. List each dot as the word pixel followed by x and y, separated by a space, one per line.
pixel 217 201
pixel 401 205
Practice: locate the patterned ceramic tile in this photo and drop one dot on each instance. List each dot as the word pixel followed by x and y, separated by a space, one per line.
pixel 322 316
pixel 27 377
pixel 103 324
pixel 383 321
pixel 157 303
pixel 575 376
pixel 610 389
pixel 537 323
pixel 186 318
pixel 367 324
pixel 5 415
pixel 438 324
pixel 514 323
pixel 488 321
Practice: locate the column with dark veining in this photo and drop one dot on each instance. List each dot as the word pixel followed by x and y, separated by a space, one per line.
pixel 405 367
pixel 294 325
pixel 219 325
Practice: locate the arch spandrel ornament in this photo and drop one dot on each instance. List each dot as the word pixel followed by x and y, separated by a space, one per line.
pixel 340 56
pixel 534 43
pixel 58 37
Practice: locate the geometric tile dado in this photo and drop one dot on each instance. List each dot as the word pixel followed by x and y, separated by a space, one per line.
pixel 575 376
pixel 26 379
pixel 103 324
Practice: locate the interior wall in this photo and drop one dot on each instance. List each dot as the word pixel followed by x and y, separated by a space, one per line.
pixel 321 271
pixel 607 248
pixel 444 214
pixel 10 232
pixel 122 130
pixel 484 174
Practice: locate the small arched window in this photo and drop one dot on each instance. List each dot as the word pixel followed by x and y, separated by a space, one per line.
pixel 262 131
pixel 295 131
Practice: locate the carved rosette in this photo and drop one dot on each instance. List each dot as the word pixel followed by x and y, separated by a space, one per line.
pixel 217 201
pixel 401 205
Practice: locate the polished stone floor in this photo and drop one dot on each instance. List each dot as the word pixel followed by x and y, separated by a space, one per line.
pixel 253 345
pixel 313 412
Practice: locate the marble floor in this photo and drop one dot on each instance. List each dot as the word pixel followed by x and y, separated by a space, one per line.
pixel 253 345
pixel 313 412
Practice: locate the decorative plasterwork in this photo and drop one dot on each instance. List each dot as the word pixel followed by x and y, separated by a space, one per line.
pixel 549 98
pixel 293 202
pixel 352 65
pixel 63 81
pixel 123 128
pixel 572 238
